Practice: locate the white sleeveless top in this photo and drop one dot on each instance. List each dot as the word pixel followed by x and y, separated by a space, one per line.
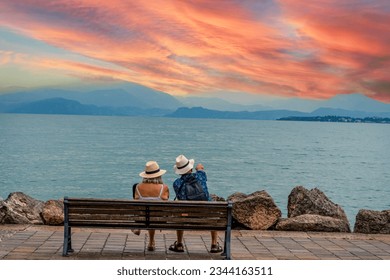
pixel 150 197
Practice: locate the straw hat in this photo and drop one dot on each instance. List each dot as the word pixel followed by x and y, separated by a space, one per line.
pixel 152 170
pixel 183 165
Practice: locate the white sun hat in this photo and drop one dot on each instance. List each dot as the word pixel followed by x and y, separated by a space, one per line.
pixel 183 165
pixel 152 170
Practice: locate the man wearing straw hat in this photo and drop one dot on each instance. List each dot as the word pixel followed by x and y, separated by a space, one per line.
pixel 184 167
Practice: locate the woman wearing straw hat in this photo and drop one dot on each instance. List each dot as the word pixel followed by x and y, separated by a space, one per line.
pixel 151 188
pixel 184 167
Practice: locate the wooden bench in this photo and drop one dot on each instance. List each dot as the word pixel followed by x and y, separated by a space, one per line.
pixel 141 214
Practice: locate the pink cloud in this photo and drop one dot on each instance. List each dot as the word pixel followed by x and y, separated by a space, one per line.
pixel 280 48
pixel 351 37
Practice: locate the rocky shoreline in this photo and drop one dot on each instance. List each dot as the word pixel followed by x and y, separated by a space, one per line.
pixel 308 210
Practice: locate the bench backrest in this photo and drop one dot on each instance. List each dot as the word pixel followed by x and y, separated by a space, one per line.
pixel 194 215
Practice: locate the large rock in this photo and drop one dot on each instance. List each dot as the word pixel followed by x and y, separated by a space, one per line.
pixel 302 201
pixel 53 212
pixel 20 208
pixel 256 211
pixel 237 196
pixel 215 197
pixel 2 211
pixel 370 221
pixel 309 222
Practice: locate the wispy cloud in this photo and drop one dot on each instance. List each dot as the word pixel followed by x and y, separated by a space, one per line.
pixel 283 48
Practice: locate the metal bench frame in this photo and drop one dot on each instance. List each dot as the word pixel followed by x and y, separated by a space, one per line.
pixel 141 214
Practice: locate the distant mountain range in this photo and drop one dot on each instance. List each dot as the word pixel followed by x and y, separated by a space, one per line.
pixel 124 95
pixel 71 107
pixel 219 104
pixel 134 100
pixel 199 112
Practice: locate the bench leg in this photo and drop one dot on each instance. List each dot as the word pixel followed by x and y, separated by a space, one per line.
pixel 226 249
pixel 67 241
pixel 228 232
pixel 224 245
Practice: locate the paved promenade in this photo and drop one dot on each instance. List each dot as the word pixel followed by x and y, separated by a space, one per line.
pixel 22 242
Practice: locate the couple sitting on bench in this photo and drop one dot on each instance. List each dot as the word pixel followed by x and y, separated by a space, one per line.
pixel 153 188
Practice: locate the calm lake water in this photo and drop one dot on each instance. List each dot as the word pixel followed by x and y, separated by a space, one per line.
pixel 51 156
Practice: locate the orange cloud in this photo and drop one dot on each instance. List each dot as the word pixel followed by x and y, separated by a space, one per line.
pixel 351 38
pixel 266 47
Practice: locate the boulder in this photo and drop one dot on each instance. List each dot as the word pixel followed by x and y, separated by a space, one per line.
pixel 256 211
pixel 309 222
pixel 237 196
pixel 20 208
pixel 3 210
pixel 302 201
pixel 370 221
pixel 53 212
pixel 215 197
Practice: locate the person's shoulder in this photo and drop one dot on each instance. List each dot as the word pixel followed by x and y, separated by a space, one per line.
pixel 177 181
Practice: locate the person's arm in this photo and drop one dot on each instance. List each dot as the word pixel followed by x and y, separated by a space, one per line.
pixel 202 177
pixel 165 193
pixel 134 187
pixel 200 173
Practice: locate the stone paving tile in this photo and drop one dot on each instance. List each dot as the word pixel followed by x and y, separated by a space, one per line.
pixel 42 242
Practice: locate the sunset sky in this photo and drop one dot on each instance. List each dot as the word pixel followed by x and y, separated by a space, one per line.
pixel 287 48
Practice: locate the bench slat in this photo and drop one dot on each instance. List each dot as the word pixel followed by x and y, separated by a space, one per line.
pixel 152 212
pixel 125 201
pixel 170 226
pixel 151 208
pixel 130 219
pixel 83 211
